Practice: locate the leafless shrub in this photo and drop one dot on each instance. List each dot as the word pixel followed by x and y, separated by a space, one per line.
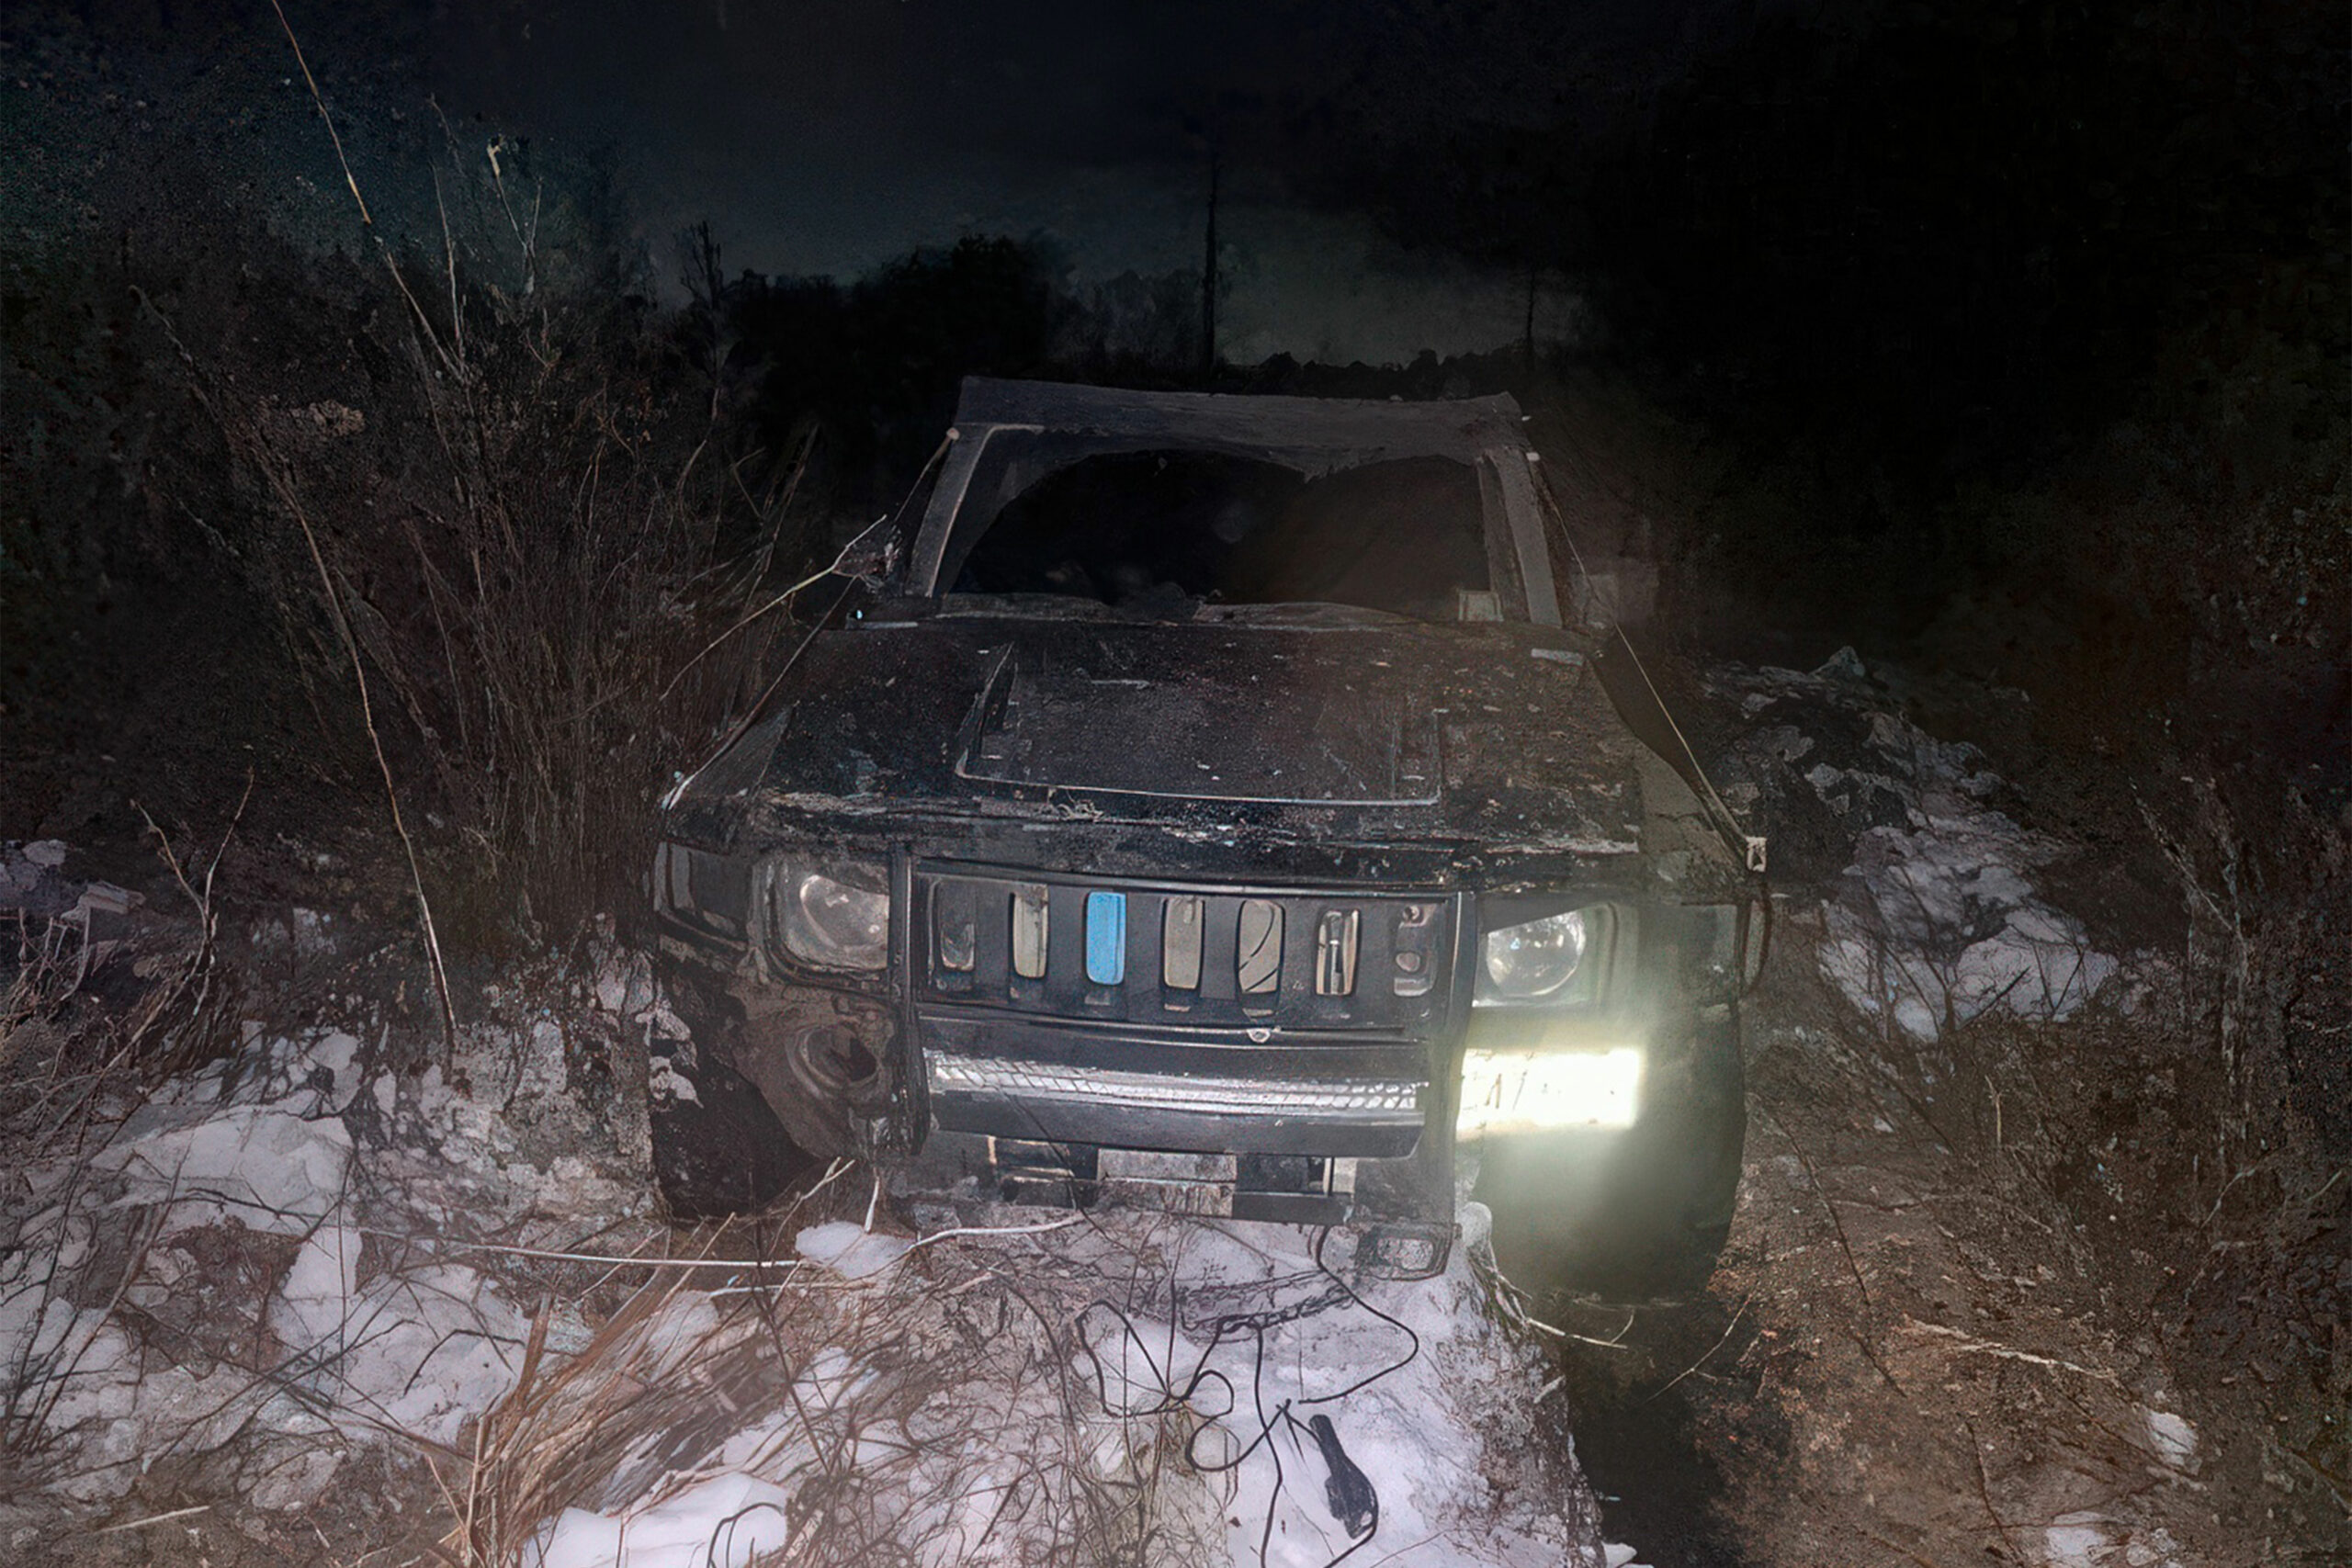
pixel 63 1050
pixel 2261 967
pixel 43 976
pixel 532 596
pixel 516 539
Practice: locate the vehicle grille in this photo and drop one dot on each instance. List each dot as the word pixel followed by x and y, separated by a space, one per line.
pixel 1215 959
pixel 1158 1016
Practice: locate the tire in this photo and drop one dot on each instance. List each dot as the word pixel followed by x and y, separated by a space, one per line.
pixel 816 1057
pixel 1635 1216
pixel 725 1151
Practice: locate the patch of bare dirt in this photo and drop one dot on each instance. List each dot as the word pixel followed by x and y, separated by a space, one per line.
pixel 1977 1313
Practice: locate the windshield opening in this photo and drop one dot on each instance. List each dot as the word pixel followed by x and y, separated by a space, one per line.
pixel 1163 532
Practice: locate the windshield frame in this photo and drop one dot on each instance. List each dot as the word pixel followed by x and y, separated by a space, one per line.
pixel 1312 436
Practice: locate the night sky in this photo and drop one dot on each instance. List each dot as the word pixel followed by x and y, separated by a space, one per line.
pixel 1962 218
pixel 832 137
pixel 1987 213
pixel 1884 251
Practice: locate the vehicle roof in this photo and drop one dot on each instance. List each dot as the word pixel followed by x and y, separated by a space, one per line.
pixel 1313 434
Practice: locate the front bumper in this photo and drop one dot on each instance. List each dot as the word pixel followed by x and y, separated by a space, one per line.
pixel 1317 1088
pixel 1141 1079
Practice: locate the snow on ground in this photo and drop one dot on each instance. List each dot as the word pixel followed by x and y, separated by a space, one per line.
pixel 290 1256
pixel 229 1275
pixel 1117 1387
pixel 1935 920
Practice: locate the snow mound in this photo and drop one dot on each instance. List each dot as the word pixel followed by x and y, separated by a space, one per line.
pixel 850 1250
pixel 250 1269
pixel 1139 1389
pixel 1942 926
pixel 1931 914
pixel 292 1256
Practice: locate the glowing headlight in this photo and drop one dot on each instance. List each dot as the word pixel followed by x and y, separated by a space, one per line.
pixel 833 922
pixel 1531 960
pixel 1525 1091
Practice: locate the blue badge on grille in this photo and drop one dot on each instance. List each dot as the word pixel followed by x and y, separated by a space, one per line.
pixel 1106 938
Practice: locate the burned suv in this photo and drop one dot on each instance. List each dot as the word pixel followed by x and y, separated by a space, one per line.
pixel 1203 802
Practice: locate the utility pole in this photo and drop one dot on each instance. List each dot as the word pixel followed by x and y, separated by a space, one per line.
pixel 1527 348
pixel 1209 281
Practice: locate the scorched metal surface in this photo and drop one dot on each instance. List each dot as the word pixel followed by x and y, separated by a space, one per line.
pixel 1312 744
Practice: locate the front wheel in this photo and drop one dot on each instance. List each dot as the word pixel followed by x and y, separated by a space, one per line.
pixel 721 1151
pixel 720 1147
pixel 1629 1214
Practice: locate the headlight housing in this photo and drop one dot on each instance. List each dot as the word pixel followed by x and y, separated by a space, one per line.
pixel 1531 961
pixel 838 917
pixel 1549 959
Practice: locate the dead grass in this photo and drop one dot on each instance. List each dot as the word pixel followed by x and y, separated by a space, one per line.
pixel 1987 1271
pixel 932 1416
pixel 64 1048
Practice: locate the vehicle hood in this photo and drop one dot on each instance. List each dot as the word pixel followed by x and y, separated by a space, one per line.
pixel 1285 717
pixel 1338 727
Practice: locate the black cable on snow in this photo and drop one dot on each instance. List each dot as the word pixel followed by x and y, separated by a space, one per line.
pixel 1349 1493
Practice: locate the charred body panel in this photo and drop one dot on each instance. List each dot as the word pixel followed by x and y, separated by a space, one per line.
pixel 1196 904
pixel 1492 737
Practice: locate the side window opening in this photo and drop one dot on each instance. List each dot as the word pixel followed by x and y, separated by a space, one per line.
pixel 1159 531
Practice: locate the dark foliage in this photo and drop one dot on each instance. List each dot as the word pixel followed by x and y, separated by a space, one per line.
pixel 1955 233
pixel 876 363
